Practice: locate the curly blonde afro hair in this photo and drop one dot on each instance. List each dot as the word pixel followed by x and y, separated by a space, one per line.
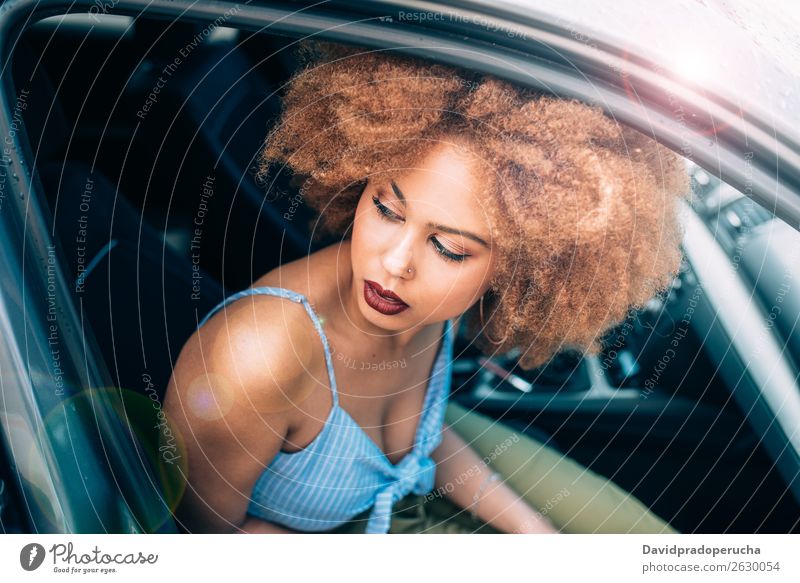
pixel 583 212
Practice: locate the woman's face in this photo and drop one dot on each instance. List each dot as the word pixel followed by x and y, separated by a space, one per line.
pixel 428 219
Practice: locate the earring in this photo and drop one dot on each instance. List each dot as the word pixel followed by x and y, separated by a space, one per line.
pixel 483 326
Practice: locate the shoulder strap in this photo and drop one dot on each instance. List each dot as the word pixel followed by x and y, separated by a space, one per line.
pixel 295 297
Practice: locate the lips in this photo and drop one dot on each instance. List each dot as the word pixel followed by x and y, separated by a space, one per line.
pixel 384 301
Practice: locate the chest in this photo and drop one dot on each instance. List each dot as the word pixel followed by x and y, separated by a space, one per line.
pixel 384 396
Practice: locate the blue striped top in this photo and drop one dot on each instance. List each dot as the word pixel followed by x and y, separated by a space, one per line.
pixel 343 472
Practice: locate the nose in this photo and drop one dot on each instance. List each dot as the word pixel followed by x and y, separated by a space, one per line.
pixel 398 258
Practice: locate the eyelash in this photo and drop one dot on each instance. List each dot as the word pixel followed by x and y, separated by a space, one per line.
pixel 387 215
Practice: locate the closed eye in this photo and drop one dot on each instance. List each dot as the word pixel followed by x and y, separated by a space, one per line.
pixel 445 254
pixel 385 211
pixel 387 214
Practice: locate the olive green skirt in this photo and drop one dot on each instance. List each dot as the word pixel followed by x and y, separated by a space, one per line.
pixel 422 514
pixel 574 498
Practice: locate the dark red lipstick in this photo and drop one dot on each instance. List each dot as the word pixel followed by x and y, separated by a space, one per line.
pixel 382 300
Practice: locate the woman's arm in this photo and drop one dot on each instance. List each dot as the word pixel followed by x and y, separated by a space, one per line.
pixel 460 473
pixel 230 399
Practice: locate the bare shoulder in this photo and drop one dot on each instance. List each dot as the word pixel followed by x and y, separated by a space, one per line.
pixel 265 347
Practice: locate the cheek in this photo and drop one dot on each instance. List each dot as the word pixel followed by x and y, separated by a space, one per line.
pixel 454 289
pixel 363 224
pixel 366 235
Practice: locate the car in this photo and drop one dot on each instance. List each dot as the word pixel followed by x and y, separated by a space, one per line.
pixel 129 206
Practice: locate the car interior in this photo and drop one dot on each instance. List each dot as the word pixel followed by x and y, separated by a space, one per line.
pixel 159 215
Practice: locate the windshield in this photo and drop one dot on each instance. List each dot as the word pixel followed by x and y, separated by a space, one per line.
pixel 746 53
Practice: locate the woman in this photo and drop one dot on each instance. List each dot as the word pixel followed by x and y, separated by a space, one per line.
pixel 316 400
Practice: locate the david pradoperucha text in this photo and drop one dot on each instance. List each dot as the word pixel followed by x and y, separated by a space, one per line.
pixel 699 550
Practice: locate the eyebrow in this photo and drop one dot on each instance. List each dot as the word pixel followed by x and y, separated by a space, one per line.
pixel 450 230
